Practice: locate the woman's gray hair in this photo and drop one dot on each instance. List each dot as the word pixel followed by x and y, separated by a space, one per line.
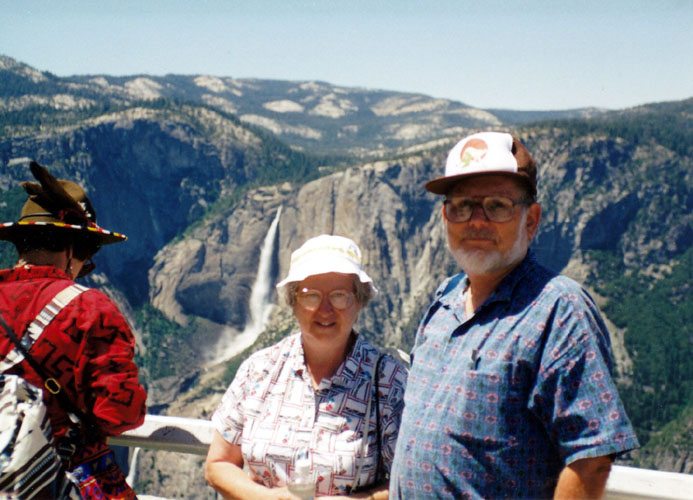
pixel 362 291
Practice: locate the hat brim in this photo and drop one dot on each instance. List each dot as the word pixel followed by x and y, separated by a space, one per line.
pixel 299 275
pixel 9 230
pixel 442 185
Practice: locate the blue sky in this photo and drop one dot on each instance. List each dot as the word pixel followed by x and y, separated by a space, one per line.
pixel 525 55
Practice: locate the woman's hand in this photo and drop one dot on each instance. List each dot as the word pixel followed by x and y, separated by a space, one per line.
pixel 224 472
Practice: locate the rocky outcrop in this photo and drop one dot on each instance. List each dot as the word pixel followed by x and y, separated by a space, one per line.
pixel 603 193
pixel 671 448
pixel 381 206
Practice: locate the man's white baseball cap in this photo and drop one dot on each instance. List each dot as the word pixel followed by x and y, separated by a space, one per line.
pixel 483 154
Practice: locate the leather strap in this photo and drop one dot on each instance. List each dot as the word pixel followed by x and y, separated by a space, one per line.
pixel 367 423
pixel 38 325
pixel 33 333
pixel 379 463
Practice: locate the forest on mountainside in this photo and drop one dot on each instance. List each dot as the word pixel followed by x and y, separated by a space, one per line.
pixel 668 124
pixel 658 317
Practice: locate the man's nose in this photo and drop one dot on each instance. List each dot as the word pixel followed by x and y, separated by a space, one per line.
pixel 478 214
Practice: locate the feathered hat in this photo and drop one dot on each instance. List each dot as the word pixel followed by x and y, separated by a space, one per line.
pixel 56 203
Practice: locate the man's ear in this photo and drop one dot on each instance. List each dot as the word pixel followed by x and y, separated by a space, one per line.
pixel 533 218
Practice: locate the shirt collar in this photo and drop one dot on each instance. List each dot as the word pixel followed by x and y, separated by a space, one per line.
pixel 502 293
pixel 350 367
pixel 30 271
pixel 506 288
pixel 347 371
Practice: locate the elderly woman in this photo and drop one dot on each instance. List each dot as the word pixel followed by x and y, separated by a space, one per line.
pixel 314 395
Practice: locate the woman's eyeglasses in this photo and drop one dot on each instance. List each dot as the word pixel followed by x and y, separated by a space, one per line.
pixel 496 208
pixel 311 299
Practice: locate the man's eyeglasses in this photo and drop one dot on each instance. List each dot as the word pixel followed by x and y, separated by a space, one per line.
pixel 87 267
pixel 311 299
pixel 496 208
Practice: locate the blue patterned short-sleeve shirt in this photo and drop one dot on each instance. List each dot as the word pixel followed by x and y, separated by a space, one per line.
pixel 498 403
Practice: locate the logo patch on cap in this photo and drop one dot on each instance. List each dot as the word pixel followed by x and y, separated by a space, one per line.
pixel 473 152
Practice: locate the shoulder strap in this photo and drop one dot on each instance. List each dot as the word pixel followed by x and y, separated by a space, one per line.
pixel 367 422
pixel 37 326
pixel 34 331
pixel 379 463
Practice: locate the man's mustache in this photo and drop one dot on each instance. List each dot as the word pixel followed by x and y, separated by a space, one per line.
pixel 475 234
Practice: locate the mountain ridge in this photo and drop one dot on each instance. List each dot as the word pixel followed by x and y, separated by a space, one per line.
pixel 311 115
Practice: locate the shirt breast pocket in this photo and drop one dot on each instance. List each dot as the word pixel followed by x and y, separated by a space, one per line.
pixel 489 405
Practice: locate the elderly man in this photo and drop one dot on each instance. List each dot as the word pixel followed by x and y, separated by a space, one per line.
pixel 510 393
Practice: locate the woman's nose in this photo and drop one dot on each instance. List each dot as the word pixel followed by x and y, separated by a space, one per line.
pixel 325 305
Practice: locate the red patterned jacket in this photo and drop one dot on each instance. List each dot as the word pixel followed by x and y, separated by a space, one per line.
pixel 88 348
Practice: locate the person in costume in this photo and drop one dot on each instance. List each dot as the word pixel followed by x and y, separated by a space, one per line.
pixel 77 335
pixel 323 393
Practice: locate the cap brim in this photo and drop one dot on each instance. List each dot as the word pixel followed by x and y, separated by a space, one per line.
pixel 442 185
pixel 8 231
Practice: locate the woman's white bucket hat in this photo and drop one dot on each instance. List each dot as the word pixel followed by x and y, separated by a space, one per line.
pixel 326 254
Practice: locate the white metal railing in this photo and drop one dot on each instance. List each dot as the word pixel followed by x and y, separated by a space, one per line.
pixel 630 483
pixel 185 435
pixel 189 435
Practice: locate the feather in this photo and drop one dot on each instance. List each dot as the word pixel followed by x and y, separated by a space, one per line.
pixel 32 188
pixel 51 195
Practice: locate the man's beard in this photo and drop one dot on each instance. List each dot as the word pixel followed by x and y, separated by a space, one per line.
pixel 479 261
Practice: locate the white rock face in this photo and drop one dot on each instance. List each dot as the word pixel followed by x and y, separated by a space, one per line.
pixel 220 102
pixel 399 105
pixel 36 76
pixel 66 101
pixel 284 106
pixel 314 87
pixel 264 122
pixel 281 128
pixel 411 131
pixel 333 106
pixel 100 81
pixel 143 88
pixel 479 114
pixel 57 101
pixel 211 83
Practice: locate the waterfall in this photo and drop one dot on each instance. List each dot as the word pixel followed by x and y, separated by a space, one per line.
pixel 259 303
